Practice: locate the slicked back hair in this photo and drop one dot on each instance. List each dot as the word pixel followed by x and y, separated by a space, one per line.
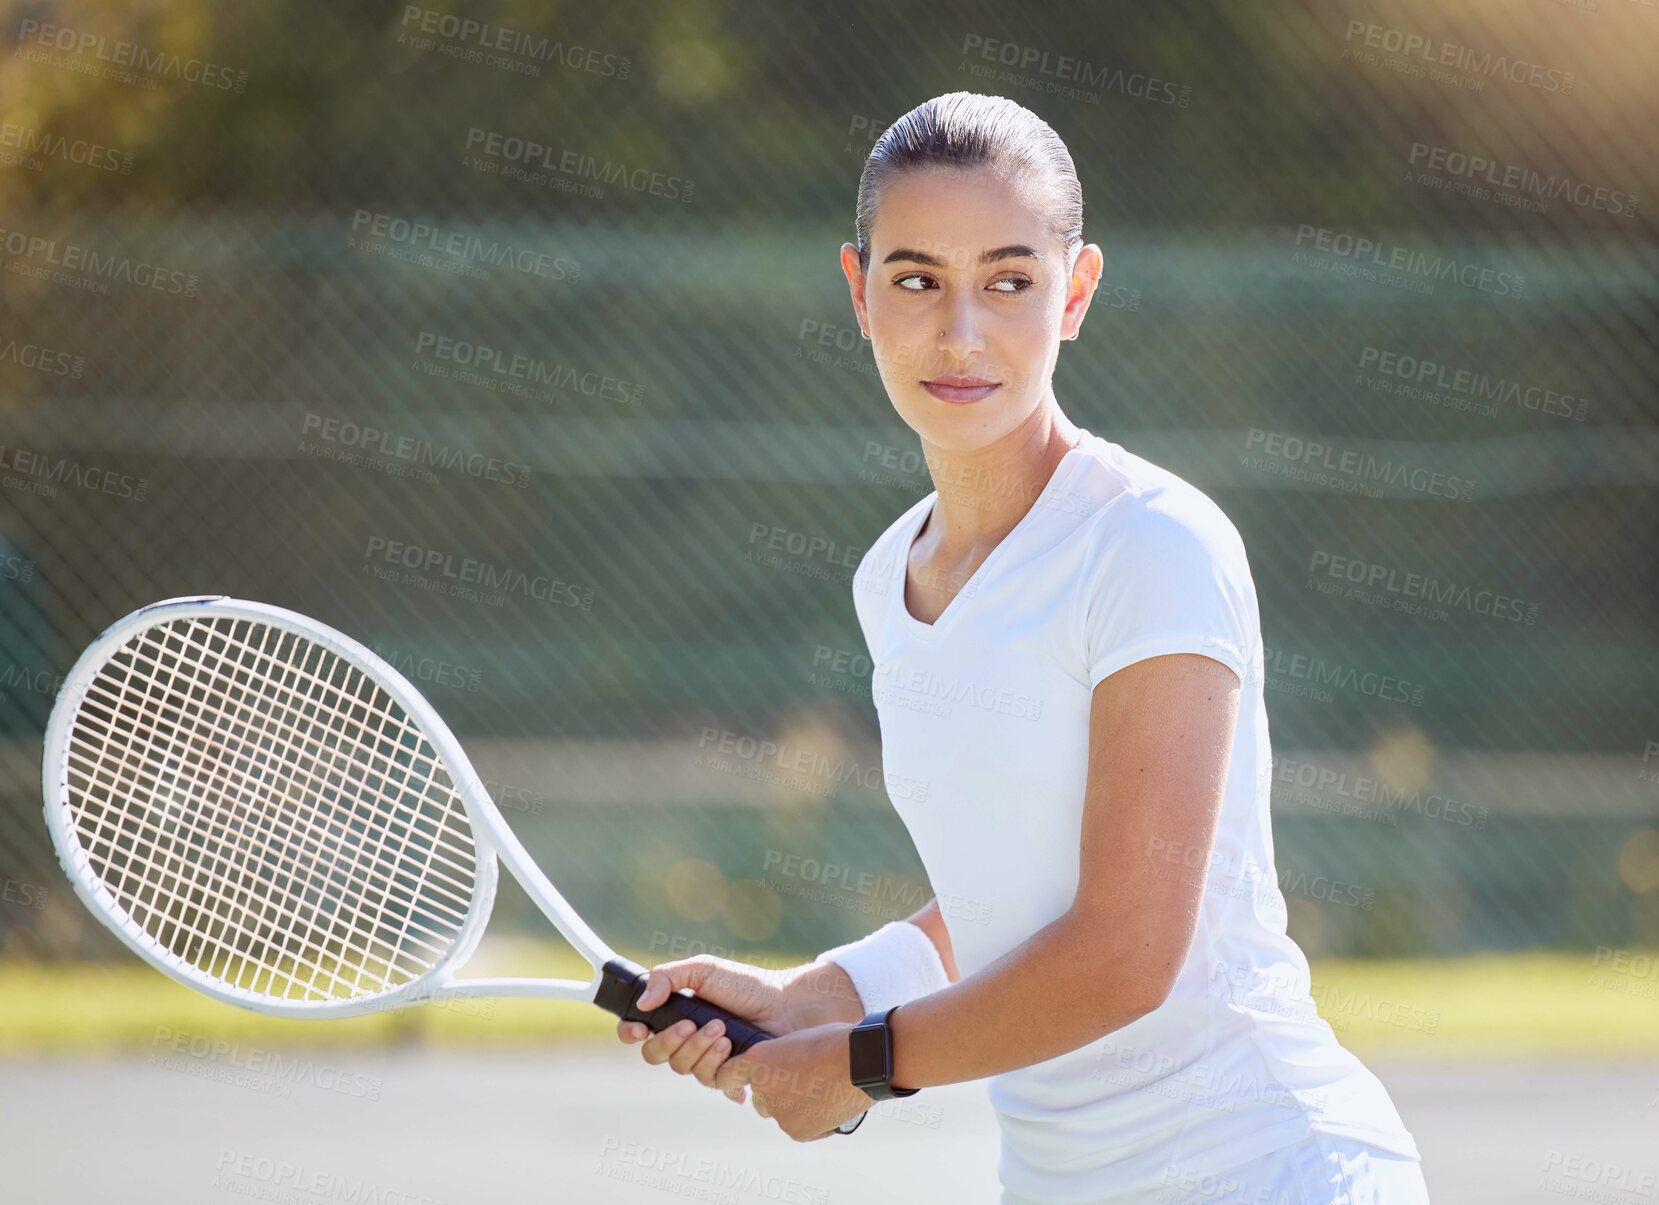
pixel 969 130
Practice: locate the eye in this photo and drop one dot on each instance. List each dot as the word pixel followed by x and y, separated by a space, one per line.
pixel 919 282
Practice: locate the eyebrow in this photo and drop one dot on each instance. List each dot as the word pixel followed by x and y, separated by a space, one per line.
pixel 985 257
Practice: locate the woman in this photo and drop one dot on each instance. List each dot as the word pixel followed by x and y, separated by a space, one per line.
pixel 1068 656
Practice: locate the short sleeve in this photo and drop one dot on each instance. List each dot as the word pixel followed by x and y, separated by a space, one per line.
pixel 869 588
pixel 1166 573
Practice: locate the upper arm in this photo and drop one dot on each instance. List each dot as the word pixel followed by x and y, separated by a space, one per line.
pixel 932 922
pixel 1170 635
pixel 1160 739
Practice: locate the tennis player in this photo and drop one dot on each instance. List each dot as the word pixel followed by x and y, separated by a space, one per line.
pixel 1068 677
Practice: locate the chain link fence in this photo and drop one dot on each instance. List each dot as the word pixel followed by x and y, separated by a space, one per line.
pixel 514 343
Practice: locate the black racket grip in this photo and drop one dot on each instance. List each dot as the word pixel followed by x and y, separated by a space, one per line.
pixel 622 983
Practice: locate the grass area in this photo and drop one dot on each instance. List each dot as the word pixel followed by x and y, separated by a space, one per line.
pixel 1500 1005
pixel 1496 1004
pixel 96 1008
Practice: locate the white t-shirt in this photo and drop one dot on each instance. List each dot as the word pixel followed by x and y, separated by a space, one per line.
pixel 984 727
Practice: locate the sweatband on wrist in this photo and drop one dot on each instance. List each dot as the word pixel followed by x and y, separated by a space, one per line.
pixel 894 965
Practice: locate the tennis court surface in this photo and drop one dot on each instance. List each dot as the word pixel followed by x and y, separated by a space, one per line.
pixel 586 1125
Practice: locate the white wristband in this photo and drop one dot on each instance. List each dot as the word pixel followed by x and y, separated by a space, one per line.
pixel 894 965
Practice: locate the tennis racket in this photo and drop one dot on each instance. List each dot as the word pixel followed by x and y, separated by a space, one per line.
pixel 268 812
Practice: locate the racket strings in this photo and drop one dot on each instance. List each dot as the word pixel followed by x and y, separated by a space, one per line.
pixel 267 835
pixel 204 761
pixel 262 809
pixel 382 892
pixel 326 748
pixel 219 880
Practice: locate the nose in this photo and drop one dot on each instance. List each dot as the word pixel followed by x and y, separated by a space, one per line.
pixel 959 327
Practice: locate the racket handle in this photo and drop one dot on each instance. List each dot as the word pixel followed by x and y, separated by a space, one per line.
pixel 621 983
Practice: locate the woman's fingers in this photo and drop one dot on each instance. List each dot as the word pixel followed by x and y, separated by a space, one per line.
pixel 661 1046
pixel 689 1050
pixel 704 1068
pixel 700 1053
pixel 666 978
pixel 744 990
pixel 695 1046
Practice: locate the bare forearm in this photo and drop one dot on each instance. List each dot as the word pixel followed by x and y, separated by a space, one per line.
pixel 1058 991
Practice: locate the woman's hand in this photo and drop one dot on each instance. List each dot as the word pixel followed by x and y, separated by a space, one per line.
pixel 778 1002
pixel 802 1081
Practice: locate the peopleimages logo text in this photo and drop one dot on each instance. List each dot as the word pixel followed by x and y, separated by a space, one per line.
pixel 1358 465
pixel 417 236
pixel 1392 257
pixel 1439 53
pixel 1526 180
pixel 75 257
pixel 564 161
pixel 1417 585
pixel 31 141
pixel 1468 383
pixel 378 442
pixel 528 370
pixel 466 571
pixel 527 44
pixel 1101 77
pixel 121 53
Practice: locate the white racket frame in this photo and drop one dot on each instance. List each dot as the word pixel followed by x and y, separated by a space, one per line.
pixel 492 838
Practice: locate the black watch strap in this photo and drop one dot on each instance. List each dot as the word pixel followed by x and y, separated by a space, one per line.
pixel 870 1056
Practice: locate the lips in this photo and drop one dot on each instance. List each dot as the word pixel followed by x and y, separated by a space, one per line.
pixel 960 391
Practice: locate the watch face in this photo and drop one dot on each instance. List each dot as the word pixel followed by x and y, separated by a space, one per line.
pixel 867 1052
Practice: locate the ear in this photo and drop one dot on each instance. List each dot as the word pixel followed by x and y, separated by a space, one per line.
pixel 854 272
pixel 1085 278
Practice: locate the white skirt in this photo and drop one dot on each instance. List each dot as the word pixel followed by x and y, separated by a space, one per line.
pixel 1321 1170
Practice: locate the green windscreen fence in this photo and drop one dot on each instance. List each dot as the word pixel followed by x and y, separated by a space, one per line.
pixel 514 342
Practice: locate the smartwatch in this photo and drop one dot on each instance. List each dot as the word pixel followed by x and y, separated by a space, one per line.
pixel 870 1055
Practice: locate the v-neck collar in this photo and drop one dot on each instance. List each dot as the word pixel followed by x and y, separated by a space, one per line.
pixel 931 631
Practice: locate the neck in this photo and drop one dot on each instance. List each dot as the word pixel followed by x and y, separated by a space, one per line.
pixel 984 492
